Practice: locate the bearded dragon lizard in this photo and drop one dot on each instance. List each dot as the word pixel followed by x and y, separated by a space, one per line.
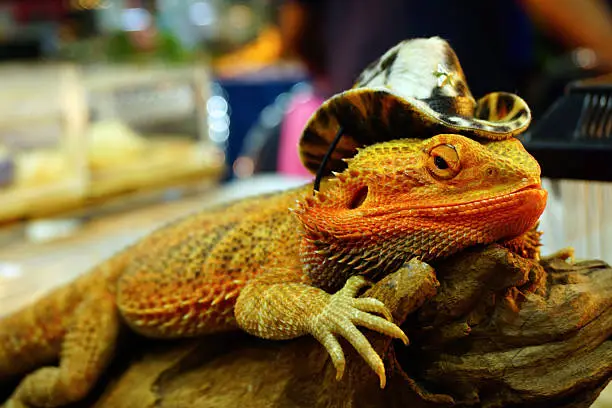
pixel 276 268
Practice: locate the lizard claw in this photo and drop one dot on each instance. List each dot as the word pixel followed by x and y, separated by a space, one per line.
pixel 564 253
pixel 341 316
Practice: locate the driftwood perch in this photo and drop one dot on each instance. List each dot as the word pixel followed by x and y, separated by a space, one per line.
pixel 495 330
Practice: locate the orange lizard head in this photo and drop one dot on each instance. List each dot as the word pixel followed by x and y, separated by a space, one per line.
pixel 424 198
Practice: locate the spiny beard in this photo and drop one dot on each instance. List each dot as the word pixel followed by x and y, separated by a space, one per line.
pixel 331 264
pixel 330 261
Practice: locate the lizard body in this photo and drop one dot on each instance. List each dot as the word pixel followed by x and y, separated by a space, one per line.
pixel 276 268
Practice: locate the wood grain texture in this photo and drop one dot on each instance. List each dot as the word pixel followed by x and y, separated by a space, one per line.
pixel 498 331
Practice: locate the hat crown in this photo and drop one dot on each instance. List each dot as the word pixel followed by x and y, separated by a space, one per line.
pixel 423 68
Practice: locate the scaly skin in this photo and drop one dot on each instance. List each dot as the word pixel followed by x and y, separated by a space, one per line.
pixel 269 266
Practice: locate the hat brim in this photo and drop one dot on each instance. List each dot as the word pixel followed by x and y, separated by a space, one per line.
pixel 370 116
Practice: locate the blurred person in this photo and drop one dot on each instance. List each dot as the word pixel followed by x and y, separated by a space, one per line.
pixel 496 42
pixel 577 23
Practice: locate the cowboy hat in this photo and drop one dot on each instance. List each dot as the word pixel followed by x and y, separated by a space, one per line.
pixel 417 89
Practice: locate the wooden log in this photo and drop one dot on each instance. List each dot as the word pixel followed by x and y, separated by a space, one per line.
pixel 495 329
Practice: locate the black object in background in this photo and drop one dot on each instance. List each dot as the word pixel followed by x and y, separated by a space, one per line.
pixel 573 139
pixel 22 50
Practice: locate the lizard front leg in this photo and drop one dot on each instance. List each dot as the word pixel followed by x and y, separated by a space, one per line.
pixel 281 305
pixel 87 348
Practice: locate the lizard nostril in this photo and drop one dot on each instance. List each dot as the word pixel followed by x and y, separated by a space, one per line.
pixel 360 195
pixel 491 172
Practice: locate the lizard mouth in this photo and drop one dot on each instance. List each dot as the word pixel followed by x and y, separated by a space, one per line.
pixel 531 197
pixel 535 186
pixel 528 199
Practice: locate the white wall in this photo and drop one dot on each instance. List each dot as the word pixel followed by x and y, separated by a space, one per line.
pixel 578 214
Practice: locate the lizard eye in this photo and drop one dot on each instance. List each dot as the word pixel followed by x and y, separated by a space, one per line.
pixel 440 163
pixel 443 162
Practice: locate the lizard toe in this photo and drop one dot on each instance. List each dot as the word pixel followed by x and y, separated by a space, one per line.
pixel 353 285
pixel 333 347
pixel 379 325
pixel 372 305
pixel 565 254
pixel 361 344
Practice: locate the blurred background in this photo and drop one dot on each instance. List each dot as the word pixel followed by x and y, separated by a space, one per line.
pixel 112 107
pixel 119 115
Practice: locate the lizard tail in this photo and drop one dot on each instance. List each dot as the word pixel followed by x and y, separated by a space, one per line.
pixel 33 336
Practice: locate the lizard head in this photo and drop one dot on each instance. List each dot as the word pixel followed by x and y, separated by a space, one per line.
pixel 425 198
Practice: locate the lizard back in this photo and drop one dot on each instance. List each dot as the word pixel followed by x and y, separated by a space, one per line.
pixel 183 280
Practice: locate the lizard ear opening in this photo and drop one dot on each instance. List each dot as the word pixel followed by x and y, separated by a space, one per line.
pixel 360 196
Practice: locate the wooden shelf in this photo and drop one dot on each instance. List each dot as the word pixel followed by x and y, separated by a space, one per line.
pixel 57 105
